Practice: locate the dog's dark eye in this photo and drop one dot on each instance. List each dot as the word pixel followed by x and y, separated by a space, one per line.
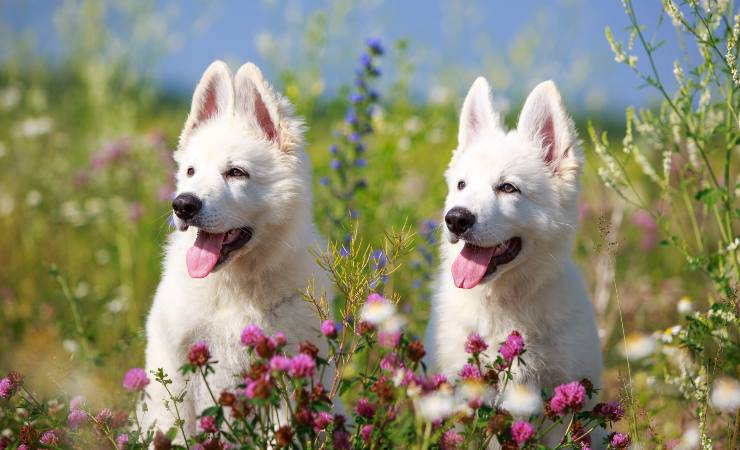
pixel 460 185
pixel 507 188
pixel 236 172
pixel 191 171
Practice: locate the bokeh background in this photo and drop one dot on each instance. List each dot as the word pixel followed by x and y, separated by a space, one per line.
pixel 93 94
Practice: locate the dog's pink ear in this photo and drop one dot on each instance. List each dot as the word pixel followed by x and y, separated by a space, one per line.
pixel 544 121
pixel 213 96
pixel 264 111
pixel 477 117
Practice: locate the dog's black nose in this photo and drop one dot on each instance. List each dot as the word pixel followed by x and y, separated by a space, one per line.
pixel 186 206
pixel 459 220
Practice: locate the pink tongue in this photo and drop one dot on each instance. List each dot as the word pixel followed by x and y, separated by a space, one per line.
pixel 203 255
pixel 470 266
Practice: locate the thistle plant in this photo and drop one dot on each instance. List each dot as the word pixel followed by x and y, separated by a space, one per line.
pixel 681 156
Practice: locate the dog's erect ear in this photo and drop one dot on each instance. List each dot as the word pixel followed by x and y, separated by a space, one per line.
pixel 544 121
pixel 477 117
pixel 268 113
pixel 213 96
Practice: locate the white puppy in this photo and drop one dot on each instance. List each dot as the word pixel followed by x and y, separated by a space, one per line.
pixel 241 255
pixel 511 215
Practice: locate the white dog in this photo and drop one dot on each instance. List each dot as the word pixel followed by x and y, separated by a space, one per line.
pixel 241 255
pixel 511 215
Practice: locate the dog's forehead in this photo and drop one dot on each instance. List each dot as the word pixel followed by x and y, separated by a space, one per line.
pixel 218 142
pixel 496 157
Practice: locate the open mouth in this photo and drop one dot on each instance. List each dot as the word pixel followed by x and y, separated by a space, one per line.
pixel 474 263
pixel 213 249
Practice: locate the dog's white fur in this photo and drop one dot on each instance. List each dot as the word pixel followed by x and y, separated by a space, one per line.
pixel 540 293
pixel 240 123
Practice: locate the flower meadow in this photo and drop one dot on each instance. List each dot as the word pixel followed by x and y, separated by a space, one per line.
pixel 86 161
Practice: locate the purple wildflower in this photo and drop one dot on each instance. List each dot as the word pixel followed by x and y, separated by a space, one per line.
pixel 6 388
pixel 470 372
pixel 452 440
pixel 335 164
pixel 122 441
pixel 612 411
pixel 321 421
pixel 620 440
pixel 280 363
pixel 208 424
pixel 329 329
pixel 135 379
pixel 199 354
pixel 512 347
pixel 366 433
pixel 365 409
pixel 568 396
pixel 302 366
pixel 375 46
pixel 252 335
pixel 76 418
pixel 521 431
pixel 475 344
pixel 50 438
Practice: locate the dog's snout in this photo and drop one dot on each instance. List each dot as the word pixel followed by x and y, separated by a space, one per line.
pixel 459 220
pixel 186 206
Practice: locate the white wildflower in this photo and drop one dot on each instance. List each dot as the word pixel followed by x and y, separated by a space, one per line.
pixel 689 439
pixel 116 305
pixel 33 198
pixel 674 13
pixel 70 345
pixel 645 165
pixel 377 312
pixel 685 305
pixel 678 72
pixel 731 48
pixel 436 405
pixel 7 205
pixel 439 95
pixel 733 245
pixel 34 127
pixel 638 346
pixel 82 289
pixel 669 333
pixel 412 125
pixel 10 97
pixel 522 400
pixel 726 395
pixel 693 151
pixel 628 141
pixel 619 55
pixel 667 164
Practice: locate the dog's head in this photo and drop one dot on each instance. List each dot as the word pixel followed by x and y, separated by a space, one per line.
pixel 512 194
pixel 241 170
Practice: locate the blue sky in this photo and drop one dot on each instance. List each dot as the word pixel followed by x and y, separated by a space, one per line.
pixel 514 44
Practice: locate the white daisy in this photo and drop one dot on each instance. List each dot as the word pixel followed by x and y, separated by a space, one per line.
pixel 638 346
pixel 522 400
pixel 726 394
pixel 436 405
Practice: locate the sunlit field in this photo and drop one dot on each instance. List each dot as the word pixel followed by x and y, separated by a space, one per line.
pixel 86 144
